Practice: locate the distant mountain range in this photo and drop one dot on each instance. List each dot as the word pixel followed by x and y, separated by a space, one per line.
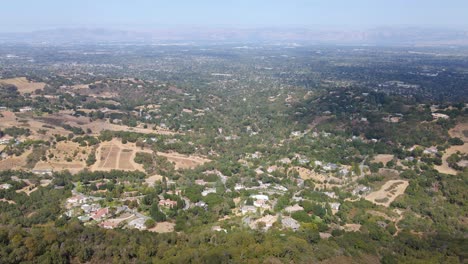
pixel 409 36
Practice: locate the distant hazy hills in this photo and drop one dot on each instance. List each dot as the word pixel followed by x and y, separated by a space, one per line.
pixel 410 36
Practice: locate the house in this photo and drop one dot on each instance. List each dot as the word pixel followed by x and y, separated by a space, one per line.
pixel 84 218
pixel 296 133
pixel 289 222
pixel 218 229
pixel 109 224
pixel 99 214
pixel 331 195
pixel 168 203
pixel 239 187
pixel 201 204
pixel 200 182
pixel 260 203
pixel 89 208
pixel 360 189
pixel 300 182
pixel 5 140
pixel 138 223
pixel 335 206
pixel 175 192
pixel 272 168
pixel 208 191
pixel 5 186
pixel 343 172
pixel 439 116
pixel 248 209
pixel 268 220
pixel 330 167
pixel 294 208
pixel 260 197
pixel 26 109
pixel 431 150
pixel 259 171
pixel 42 172
pixel 77 199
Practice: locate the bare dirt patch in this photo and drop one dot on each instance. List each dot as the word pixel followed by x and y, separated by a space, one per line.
pixel 152 179
pixel 113 155
pixel 163 227
pixel 322 180
pixel 351 227
pixel 183 161
pixel 388 192
pixel 384 158
pixel 24 85
pixel 460 131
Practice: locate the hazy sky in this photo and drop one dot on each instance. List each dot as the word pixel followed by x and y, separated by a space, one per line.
pixel 20 15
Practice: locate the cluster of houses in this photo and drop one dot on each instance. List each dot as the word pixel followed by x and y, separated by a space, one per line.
pixel 88 210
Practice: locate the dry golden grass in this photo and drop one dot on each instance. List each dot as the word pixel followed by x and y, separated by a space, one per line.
pixel 384 158
pixel 318 178
pixel 14 162
pixel 163 227
pixel 458 131
pixel 24 85
pixel 62 152
pixel 183 161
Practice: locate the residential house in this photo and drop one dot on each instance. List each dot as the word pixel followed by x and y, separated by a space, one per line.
pixel 77 199
pixel 138 223
pixel 289 222
pixel 294 208
pixel 248 209
pixel 168 203
pixel 5 186
pixel 100 214
pixel 208 191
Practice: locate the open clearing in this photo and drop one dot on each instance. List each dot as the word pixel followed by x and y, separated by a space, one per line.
pixel 163 227
pixel 11 119
pixel 152 179
pixel 384 158
pixel 15 162
pixel 351 227
pixel 183 161
pixel 461 131
pixel 23 85
pixel 388 192
pixel 62 153
pixel 113 155
pixel 318 178
pixel 7 201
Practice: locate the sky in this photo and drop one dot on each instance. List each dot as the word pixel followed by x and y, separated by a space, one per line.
pixel 30 15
